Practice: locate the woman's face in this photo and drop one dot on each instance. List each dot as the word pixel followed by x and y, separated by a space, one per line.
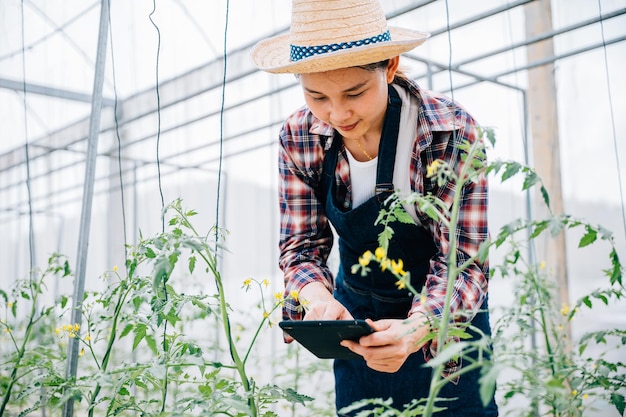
pixel 352 100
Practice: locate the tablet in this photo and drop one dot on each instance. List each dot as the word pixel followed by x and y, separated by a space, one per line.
pixel 322 337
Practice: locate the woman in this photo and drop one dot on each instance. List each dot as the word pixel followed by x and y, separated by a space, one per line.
pixel 367 130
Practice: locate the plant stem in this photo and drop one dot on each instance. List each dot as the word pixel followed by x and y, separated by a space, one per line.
pixel 239 364
pixel 107 355
pixel 453 272
pixel 20 354
pixel 241 368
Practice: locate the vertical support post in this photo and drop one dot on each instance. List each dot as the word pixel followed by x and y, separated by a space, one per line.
pixel 85 220
pixel 543 114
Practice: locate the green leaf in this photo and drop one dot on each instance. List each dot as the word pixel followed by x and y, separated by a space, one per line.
pixel 616 272
pixel 66 269
pixel 539 227
pixel 619 402
pixel 531 179
pixel 404 217
pixel 192 264
pixel 127 329
pixel 512 168
pixel 556 225
pixel 150 253
pixel 483 251
pixel 151 344
pixel 488 379
pixel 588 238
pixel 140 333
pixel 555 383
pixel 545 195
pixel 450 352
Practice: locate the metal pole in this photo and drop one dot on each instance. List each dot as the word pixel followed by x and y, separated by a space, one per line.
pixel 85 220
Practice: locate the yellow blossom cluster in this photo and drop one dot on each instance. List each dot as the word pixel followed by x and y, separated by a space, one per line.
pixel 433 167
pixel 71 330
pixel 380 255
pixel 248 281
pixel 395 266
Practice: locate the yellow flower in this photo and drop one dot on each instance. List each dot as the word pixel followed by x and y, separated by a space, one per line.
pixel 423 299
pixel 574 393
pixel 82 352
pixel 278 295
pixel 76 327
pixel 432 168
pixel 542 265
pixel 57 330
pixel 400 284
pixel 10 304
pixel 565 309
pixel 398 268
pixel 385 264
pixel 585 396
pixel 380 253
pixel 115 268
pixel 6 329
pixel 365 259
pixel 88 338
pixel 266 314
pixel 266 282
pixel 294 294
pixel 247 282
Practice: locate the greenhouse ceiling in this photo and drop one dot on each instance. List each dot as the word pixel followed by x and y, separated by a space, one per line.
pixel 164 93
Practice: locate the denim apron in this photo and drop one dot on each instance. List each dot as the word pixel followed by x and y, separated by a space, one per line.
pixel 376 296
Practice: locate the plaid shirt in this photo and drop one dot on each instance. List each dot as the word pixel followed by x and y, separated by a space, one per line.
pixel 305 235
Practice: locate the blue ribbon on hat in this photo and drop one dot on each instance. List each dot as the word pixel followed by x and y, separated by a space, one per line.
pixel 301 52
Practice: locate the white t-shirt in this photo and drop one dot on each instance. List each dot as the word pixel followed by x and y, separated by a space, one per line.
pixel 363 174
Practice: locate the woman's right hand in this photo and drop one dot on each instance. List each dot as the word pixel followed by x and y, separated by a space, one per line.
pixel 319 304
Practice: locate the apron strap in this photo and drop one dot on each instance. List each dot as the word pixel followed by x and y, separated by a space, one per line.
pixel 388 142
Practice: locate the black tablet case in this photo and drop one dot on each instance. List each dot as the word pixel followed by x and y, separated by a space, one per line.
pixel 322 337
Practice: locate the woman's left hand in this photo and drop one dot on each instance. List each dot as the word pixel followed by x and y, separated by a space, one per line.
pixel 390 345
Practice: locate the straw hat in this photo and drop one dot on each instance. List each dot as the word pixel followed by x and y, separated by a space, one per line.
pixel 332 34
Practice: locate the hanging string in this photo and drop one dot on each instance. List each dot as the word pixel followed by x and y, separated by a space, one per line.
pixel 221 156
pixel 158 140
pixel 31 237
pixel 158 164
pixel 612 115
pixel 449 33
pixel 119 142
